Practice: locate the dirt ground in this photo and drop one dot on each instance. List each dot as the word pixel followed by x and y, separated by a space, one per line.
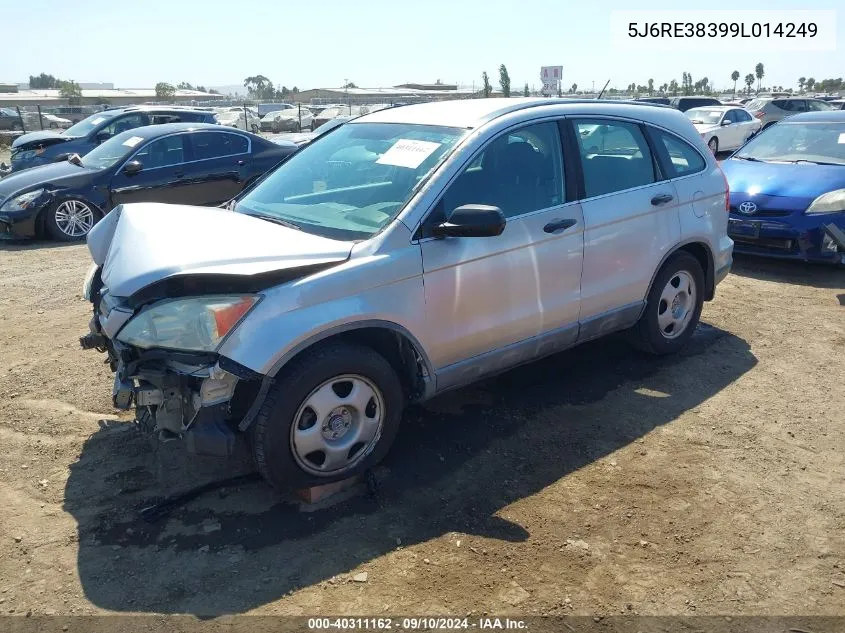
pixel 599 481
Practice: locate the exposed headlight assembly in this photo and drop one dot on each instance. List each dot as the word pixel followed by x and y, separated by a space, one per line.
pixel 830 202
pixel 23 201
pixel 194 324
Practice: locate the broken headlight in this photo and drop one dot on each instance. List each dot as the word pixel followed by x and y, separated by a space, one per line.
pixel 196 324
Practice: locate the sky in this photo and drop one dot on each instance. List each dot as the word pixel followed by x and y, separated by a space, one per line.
pixel 322 43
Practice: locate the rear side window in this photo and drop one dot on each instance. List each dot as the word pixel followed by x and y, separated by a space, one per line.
pixel 791 105
pixel 741 116
pixel 683 157
pixel 194 117
pixel 614 156
pixel 218 144
pixel 159 119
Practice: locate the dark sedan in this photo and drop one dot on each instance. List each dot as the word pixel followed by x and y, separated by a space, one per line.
pixel 10 119
pixel 183 163
pixel 787 190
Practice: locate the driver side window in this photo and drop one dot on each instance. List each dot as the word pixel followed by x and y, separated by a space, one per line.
pixel 123 124
pixel 518 172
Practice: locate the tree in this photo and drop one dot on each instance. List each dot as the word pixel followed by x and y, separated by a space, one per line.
pixel 349 84
pixel 505 81
pixel 574 88
pixel 485 82
pixel 42 82
pixel 758 71
pixel 801 82
pixel 650 86
pixel 810 83
pixel 165 91
pixel 257 86
pixel 525 91
pixel 735 77
pixel 749 81
pixel 184 85
pixel 70 90
pixel 673 87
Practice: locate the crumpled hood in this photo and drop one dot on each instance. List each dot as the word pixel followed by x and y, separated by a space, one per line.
pixel 140 244
pixel 40 138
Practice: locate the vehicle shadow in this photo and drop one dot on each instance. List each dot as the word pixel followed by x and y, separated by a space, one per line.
pixel 24 244
pixel 457 463
pixel 788 271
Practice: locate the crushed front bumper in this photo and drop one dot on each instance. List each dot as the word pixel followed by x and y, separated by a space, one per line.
pixel 175 395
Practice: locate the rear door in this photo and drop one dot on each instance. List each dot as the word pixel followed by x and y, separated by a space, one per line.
pixel 220 165
pixel 630 221
pixel 161 178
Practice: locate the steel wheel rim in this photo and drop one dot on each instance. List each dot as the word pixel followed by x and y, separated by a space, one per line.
pixel 676 305
pixel 74 218
pixel 337 425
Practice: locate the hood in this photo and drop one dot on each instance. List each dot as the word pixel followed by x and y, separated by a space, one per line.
pixel 701 128
pixel 42 138
pixel 297 138
pixel 141 244
pixel 53 175
pixel 785 180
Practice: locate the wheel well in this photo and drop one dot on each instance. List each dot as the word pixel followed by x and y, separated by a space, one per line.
pixel 702 253
pixel 396 348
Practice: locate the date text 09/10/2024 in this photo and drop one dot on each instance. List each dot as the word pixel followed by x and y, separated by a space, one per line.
pixel 415 624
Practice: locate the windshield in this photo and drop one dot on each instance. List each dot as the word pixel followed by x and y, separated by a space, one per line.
pixel 86 126
pixel 107 154
pixel 822 142
pixel 704 115
pixel 353 182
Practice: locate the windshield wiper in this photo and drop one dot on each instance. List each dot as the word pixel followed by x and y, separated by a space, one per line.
pixel 275 220
pixel 751 158
pixel 813 162
pixel 696 121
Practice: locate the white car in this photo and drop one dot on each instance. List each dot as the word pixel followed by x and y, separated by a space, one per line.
pixel 290 120
pixel 723 127
pixel 236 118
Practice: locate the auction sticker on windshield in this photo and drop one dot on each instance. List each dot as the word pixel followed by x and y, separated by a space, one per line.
pixel 408 153
pixel 841 138
pixel 133 141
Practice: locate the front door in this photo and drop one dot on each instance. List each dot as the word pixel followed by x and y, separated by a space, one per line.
pixel 162 175
pixel 493 302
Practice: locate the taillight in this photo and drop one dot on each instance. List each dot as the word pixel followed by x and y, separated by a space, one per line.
pixel 727 190
pixel 759 114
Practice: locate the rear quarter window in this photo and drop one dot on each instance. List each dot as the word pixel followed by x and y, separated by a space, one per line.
pixel 684 159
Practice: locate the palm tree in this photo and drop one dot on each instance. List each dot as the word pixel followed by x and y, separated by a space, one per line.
pixel 735 77
pixel 810 83
pixel 749 81
pixel 801 82
pixel 758 71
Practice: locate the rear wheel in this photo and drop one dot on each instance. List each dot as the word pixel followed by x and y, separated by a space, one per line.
pixel 673 307
pixel 332 414
pixel 71 220
pixel 713 144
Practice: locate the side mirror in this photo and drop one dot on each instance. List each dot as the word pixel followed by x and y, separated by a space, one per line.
pixel 132 167
pixel 472 220
pixel 102 137
pixel 726 122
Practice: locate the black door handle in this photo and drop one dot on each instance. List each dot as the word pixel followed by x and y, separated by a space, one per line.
pixel 663 198
pixel 559 225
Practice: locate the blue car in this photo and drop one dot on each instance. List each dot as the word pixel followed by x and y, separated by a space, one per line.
pixel 40 148
pixel 787 190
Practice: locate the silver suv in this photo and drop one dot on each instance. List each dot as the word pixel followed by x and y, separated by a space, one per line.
pixel 410 251
pixel 770 110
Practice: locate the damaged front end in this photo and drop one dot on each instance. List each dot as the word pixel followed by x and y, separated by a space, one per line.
pixel 176 394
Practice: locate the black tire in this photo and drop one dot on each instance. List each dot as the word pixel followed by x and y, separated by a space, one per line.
pixel 52 226
pixel 713 144
pixel 647 334
pixel 271 432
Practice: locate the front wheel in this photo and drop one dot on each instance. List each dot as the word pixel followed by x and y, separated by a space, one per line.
pixel 713 145
pixel 332 414
pixel 71 220
pixel 673 307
